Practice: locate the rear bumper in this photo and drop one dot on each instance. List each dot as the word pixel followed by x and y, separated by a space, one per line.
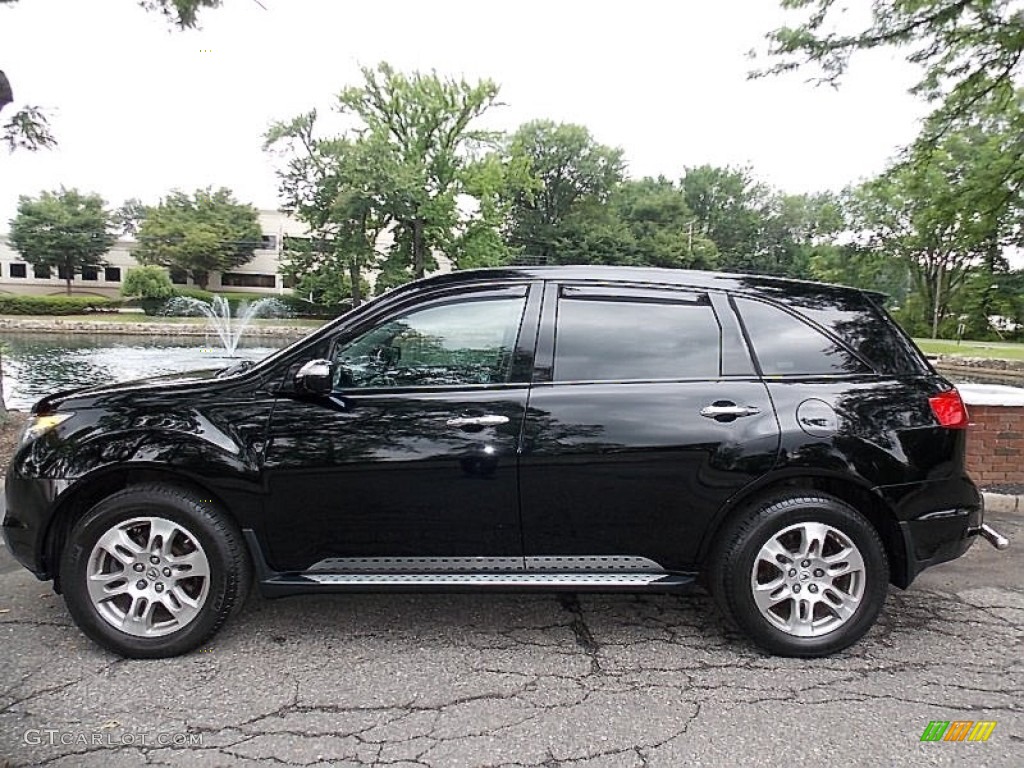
pixel 933 540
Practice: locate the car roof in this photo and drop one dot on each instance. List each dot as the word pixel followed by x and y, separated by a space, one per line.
pixel 656 275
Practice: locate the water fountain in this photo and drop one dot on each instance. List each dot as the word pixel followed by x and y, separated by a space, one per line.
pixel 218 314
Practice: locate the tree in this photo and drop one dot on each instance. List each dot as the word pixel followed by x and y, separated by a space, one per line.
pixel 968 49
pixel 66 230
pixel 198 234
pixel 29 128
pixel 426 123
pixel 943 214
pixel 150 284
pixel 573 171
pixel 971 53
pixel 658 227
pixel 338 187
pixel 410 155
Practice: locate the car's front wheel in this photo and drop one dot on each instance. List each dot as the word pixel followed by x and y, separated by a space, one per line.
pixel 153 571
pixel 802 574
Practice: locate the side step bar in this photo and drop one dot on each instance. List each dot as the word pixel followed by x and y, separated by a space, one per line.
pixel 619 574
pixel 282 584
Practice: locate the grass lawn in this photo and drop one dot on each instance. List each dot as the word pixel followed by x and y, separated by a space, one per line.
pixel 132 317
pixel 995 349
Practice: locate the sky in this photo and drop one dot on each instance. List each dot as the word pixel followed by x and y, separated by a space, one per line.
pixel 140 108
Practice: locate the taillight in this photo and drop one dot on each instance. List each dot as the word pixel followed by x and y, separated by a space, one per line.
pixel 949 409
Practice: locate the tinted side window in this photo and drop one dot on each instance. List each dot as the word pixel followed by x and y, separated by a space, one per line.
pixel 785 345
pixel 459 343
pixel 605 338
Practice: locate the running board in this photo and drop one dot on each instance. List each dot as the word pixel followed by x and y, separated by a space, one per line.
pixel 591 574
pixel 295 583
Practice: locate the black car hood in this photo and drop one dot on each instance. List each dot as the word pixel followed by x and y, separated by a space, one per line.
pixel 189 380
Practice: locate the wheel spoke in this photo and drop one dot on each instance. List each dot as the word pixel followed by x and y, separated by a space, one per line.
pixel 161 533
pixel 103 586
pixel 842 563
pixel 768 598
pixel 775 553
pixel 139 615
pixel 813 537
pixel 801 621
pixel 842 604
pixel 190 565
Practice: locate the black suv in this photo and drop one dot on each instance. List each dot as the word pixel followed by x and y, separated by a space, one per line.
pixel 571 428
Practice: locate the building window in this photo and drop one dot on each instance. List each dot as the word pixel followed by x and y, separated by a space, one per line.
pixel 269 243
pixel 63 273
pixel 90 273
pixel 19 270
pixel 112 274
pixel 179 276
pixel 41 273
pixel 240 279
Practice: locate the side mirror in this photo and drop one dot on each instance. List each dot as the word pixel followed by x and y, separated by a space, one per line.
pixel 314 377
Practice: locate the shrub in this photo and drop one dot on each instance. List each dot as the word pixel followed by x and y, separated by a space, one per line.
pixel 148 282
pixel 55 305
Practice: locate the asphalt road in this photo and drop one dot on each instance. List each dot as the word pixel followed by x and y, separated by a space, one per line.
pixel 524 680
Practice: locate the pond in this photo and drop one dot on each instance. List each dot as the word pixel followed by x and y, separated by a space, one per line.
pixel 37 364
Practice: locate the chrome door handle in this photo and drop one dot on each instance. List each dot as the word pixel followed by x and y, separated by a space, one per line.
pixel 477 421
pixel 736 411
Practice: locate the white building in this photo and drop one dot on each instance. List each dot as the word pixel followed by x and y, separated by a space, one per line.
pixel 260 275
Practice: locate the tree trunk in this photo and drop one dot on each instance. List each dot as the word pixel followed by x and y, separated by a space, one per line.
pixel 3 405
pixel 936 304
pixel 202 279
pixel 353 276
pixel 418 260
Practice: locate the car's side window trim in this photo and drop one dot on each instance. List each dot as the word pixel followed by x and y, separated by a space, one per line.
pixel 518 373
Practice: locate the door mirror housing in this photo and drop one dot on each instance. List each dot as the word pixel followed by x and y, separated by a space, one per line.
pixel 314 377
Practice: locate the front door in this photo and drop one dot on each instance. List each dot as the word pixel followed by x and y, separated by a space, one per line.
pixel 410 463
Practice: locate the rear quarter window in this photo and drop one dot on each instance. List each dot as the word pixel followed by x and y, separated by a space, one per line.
pixel 785 345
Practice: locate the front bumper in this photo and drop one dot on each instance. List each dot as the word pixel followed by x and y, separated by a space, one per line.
pixel 26 507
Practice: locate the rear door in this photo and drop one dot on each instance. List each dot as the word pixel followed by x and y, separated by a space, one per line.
pixel 644 417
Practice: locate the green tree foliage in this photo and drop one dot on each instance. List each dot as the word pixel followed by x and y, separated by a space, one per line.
pixel 575 175
pixel 64 230
pixel 426 123
pixel 944 213
pixel 968 50
pixel 147 282
pixel 208 231
pixel 412 152
pixel 339 187
pixel 150 285
pixel 756 228
pixel 971 55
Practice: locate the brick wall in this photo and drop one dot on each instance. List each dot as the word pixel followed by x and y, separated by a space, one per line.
pixel 995 444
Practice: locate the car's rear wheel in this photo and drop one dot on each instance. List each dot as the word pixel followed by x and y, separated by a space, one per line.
pixel 801 574
pixel 153 571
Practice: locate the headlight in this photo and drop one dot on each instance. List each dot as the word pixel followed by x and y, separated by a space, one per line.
pixel 40 425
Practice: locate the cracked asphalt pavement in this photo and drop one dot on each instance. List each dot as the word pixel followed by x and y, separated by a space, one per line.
pixel 523 680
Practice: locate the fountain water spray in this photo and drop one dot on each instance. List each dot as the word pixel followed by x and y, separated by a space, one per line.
pixel 218 314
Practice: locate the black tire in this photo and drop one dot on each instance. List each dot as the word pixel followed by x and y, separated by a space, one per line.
pixel 731 575
pixel 199 526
